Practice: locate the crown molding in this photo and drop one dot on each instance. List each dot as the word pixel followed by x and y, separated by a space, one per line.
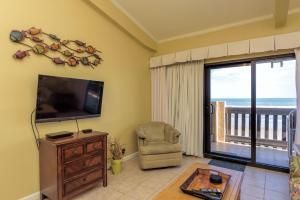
pixel 134 20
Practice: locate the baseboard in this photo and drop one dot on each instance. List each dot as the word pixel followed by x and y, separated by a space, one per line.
pixel 130 156
pixel 126 158
pixel 34 196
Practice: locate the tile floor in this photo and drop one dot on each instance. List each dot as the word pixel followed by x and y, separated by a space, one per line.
pixel 135 184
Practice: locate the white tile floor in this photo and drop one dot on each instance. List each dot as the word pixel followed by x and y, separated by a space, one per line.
pixel 264 184
pixel 136 184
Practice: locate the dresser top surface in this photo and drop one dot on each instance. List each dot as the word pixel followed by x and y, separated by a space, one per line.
pixel 76 137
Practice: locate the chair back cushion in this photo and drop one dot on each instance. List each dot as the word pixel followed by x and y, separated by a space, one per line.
pixel 155 131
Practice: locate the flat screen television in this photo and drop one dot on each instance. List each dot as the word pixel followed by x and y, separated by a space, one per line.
pixel 60 98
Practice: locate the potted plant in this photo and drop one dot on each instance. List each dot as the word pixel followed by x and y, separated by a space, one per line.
pixel 117 151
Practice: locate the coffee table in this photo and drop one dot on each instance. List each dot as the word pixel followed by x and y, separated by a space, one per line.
pixel 173 192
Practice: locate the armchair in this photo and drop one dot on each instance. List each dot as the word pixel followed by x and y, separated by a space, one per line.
pixel 158 145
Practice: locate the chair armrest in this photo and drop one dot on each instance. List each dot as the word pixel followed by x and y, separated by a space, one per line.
pixel 176 136
pixel 171 134
pixel 176 133
pixel 141 136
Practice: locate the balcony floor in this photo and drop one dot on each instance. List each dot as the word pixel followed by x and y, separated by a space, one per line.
pixel 266 155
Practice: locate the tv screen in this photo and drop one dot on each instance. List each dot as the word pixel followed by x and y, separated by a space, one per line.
pixel 60 98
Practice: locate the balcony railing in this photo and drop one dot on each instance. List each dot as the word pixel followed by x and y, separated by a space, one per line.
pixel 232 124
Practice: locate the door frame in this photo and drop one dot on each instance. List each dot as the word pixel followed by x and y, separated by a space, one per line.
pixel 206 88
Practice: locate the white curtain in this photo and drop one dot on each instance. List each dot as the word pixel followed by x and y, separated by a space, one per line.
pixel 159 94
pixel 177 98
pixel 297 137
pixel 185 104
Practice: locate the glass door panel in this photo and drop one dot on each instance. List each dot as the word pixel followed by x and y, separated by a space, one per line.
pixel 230 110
pixel 275 99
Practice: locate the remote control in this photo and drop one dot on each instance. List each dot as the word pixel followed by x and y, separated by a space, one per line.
pixel 207 195
pixel 210 190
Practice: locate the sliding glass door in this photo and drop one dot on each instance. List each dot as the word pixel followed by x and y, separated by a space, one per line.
pixel 247 107
pixel 275 100
pixel 230 108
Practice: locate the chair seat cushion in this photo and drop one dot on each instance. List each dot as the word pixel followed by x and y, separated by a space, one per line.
pixel 160 148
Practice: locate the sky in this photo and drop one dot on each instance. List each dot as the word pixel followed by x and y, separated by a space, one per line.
pixel 235 82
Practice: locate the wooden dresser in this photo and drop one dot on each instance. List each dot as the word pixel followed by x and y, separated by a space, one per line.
pixel 72 165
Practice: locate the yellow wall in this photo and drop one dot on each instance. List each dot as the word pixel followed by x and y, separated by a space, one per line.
pixel 247 31
pixel 123 22
pixel 124 70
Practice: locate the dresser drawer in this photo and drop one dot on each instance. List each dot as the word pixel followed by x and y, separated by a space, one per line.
pixel 94 146
pixel 73 152
pixel 76 167
pixel 77 183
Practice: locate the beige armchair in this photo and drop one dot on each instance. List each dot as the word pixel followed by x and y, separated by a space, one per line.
pixel 158 145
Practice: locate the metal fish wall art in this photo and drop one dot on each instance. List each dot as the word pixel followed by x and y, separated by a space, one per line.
pixel 71 52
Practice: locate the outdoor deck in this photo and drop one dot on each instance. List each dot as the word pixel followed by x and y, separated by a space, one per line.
pixel 263 154
pixel 231 132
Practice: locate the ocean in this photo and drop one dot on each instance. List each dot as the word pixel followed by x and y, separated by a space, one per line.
pixel 278 102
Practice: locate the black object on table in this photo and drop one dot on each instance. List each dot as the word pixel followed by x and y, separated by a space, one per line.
pixel 216 179
pixel 87 130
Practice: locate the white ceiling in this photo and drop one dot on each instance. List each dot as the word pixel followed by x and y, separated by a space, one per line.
pixel 169 19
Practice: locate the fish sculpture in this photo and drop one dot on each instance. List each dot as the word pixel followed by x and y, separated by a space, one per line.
pixel 74 51
pixel 21 54
pixel 79 50
pixel 67 53
pixel 90 49
pixel 54 37
pixel 72 62
pixel 34 31
pixel 79 43
pixel 96 62
pixel 39 49
pixel 65 42
pixel 17 36
pixel 84 61
pixel 36 39
pixel 58 61
pixel 54 46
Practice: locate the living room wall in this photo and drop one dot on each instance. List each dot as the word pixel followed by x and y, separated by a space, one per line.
pixel 125 72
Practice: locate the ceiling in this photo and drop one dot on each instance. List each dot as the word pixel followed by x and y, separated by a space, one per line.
pixel 170 19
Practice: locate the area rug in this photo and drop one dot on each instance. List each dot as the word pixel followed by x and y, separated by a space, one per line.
pixel 228 165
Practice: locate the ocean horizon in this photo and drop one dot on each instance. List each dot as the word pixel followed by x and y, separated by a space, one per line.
pixel 278 102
